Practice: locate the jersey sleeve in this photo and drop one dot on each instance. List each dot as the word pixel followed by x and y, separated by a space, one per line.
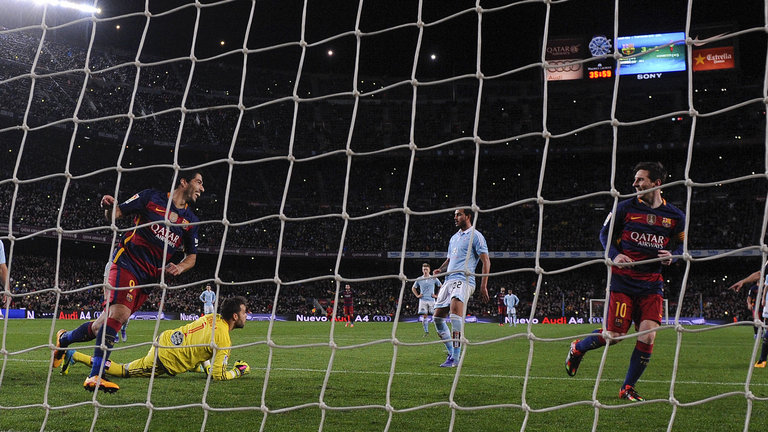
pixel 607 243
pixel 220 361
pixel 678 235
pixel 136 202
pixel 190 240
pixel 480 245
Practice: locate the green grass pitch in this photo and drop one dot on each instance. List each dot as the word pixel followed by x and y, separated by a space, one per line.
pixel 491 391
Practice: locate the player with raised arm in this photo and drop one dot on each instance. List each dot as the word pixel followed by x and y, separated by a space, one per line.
pixel 178 354
pixel 511 301
pixel 501 306
pixel 465 249
pixel 425 291
pixel 349 306
pixel 645 227
pixel 208 297
pixel 139 261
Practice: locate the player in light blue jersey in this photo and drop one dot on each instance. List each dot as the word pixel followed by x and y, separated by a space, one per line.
pixel 465 249
pixel 208 297
pixel 424 290
pixel 4 280
pixel 511 301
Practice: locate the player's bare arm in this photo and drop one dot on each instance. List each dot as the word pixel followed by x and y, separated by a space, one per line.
pixel 754 277
pixel 416 293
pixel 442 267
pixel 667 257
pixel 185 264
pixel 486 260
pixel 107 201
pixel 622 259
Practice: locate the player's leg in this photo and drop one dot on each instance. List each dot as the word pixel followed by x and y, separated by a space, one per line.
pixel 512 318
pixel 761 362
pixel 459 298
pixel 144 366
pixel 619 320
pixel 457 326
pixel 72 356
pixel 648 310
pixel 502 314
pixel 83 333
pixel 123 330
pixel 423 311
pixel 439 318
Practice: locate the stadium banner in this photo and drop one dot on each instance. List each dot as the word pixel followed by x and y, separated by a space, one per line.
pixel 570 254
pixel 17 314
pixel 560 56
pixel 713 59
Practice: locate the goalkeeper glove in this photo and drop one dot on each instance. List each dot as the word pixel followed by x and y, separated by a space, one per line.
pixel 204 367
pixel 241 368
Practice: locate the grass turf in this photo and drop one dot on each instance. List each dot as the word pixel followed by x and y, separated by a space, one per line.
pixel 491 389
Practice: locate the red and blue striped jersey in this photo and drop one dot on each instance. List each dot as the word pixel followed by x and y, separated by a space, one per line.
pixel 640 232
pixel 141 251
pixel 349 298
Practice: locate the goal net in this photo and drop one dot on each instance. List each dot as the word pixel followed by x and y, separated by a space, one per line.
pixel 336 141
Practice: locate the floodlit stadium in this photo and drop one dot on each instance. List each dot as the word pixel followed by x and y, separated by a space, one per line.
pixel 336 142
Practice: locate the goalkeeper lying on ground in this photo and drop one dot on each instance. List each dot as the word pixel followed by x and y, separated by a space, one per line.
pixel 182 357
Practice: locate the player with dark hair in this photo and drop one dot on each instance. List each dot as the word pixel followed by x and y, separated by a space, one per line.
pixel 501 306
pixel 645 227
pixel 424 290
pixel 349 306
pixel 139 261
pixel 465 249
pixel 177 352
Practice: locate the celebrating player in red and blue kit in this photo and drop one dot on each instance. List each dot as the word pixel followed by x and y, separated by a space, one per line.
pixel 501 305
pixel 349 306
pixel 138 260
pixel 645 227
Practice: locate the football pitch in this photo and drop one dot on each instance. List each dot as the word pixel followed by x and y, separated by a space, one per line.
pixel 374 384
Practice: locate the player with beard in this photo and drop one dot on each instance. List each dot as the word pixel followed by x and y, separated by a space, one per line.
pixel 139 261
pixel 184 349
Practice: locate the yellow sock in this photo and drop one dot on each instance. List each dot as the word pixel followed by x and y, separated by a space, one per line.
pixel 114 369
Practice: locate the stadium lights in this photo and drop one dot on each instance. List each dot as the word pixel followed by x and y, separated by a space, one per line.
pixel 68 5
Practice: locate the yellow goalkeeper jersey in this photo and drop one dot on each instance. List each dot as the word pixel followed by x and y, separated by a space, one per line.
pixel 186 357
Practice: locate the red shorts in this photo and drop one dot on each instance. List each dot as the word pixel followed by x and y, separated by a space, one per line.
pixel 131 298
pixel 624 309
pixel 349 310
pixel 502 310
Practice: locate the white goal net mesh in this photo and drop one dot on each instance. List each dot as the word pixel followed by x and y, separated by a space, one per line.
pixel 336 141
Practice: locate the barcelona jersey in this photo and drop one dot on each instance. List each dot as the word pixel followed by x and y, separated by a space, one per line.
pixel 349 299
pixel 141 251
pixel 640 232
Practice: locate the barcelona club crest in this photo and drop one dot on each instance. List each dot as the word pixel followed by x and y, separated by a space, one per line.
pixel 666 222
pixel 651 219
pixel 129 296
pixel 627 49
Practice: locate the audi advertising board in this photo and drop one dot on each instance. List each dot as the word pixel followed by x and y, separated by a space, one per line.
pixel 561 57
